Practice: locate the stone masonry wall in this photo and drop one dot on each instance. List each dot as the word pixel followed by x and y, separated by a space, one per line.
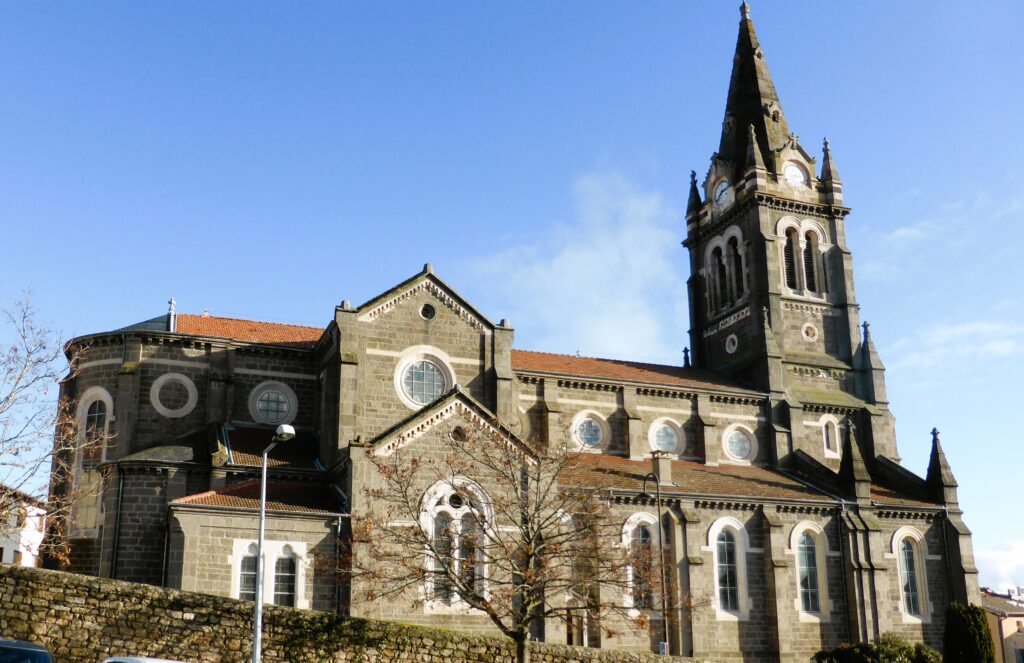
pixel 84 619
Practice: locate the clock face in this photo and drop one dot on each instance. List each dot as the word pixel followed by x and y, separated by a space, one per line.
pixel 721 192
pixel 794 174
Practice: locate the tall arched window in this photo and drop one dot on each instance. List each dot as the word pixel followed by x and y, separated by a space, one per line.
pixel 736 263
pixel 909 578
pixel 807 556
pixel 727 572
pixel 455 515
pixel 443 549
pixel 95 430
pixel 641 567
pixel 811 261
pixel 284 581
pixel 789 258
pixel 470 555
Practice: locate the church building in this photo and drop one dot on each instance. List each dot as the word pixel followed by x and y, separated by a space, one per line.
pixel 786 503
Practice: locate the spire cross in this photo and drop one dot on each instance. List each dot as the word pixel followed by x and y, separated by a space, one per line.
pixel 867 329
pixel 686 357
pixel 745 10
pixel 935 435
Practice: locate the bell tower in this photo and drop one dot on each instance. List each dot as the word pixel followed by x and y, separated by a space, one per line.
pixel 771 289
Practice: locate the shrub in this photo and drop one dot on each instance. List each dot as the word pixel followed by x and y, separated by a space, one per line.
pixel 967 638
pixel 890 648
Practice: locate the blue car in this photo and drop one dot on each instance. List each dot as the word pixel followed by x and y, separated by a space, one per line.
pixel 16 651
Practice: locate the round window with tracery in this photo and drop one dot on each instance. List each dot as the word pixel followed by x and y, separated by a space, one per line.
pixel 738 445
pixel 423 382
pixel 665 438
pixel 273 406
pixel 589 432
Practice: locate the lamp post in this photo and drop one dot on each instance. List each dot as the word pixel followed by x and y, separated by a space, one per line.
pixel 283 434
pixel 661 557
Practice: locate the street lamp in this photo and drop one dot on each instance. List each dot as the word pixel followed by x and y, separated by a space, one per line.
pixel 661 555
pixel 283 434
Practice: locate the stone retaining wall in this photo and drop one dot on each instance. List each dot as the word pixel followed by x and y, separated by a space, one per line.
pixel 82 619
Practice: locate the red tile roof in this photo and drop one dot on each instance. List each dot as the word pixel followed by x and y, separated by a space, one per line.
pixel 250 331
pixel 616 369
pixel 281 496
pixel 888 496
pixel 691 477
pixel 247 444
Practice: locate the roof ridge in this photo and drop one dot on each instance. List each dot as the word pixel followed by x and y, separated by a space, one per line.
pixel 620 361
pixel 259 322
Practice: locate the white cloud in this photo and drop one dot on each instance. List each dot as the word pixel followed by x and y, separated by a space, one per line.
pixel 959 343
pixel 918 231
pixel 1002 567
pixel 607 283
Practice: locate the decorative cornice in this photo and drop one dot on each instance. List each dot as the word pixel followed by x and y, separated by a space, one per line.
pixel 811 209
pixel 427 285
pixel 666 393
pixel 736 400
pixel 589 384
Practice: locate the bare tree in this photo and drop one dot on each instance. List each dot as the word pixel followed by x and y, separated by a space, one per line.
pixel 38 431
pixel 504 529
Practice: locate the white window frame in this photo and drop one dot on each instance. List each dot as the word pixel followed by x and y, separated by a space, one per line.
pixel 636 520
pixel 921 556
pixel 88 397
pixel 190 401
pixel 484 512
pixel 727 456
pixel 742 549
pixel 826 422
pixel 822 552
pixel 802 228
pixel 417 353
pixel 602 421
pixel 676 428
pixel 273 385
pixel 272 550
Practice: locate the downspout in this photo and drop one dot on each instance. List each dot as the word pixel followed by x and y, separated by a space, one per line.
pixel 337 566
pixel 117 524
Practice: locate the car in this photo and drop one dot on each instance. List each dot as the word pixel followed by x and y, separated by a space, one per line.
pixel 19 651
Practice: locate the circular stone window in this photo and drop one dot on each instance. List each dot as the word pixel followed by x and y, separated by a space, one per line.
pixel 273 403
pixel 423 382
pixel 459 434
pixel 810 332
pixel 664 436
pixel 590 430
pixel 731 343
pixel 739 445
pixel 173 395
pixel 427 312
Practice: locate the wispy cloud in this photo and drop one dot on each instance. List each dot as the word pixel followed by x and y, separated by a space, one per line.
pixel 959 342
pixel 608 282
pixel 1002 566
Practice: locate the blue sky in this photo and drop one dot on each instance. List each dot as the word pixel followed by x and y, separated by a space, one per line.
pixel 269 160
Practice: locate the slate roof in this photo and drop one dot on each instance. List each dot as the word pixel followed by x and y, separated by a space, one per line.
pixel 291 497
pixel 246 444
pixel 617 369
pixel 890 496
pixel 1001 604
pixel 691 477
pixel 250 331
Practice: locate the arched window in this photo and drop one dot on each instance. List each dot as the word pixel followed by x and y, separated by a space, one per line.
pixel 789 258
pixel 811 262
pixel 455 516
pixel 722 279
pixel 247 578
pixel 909 578
pixel 736 263
pixel 727 572
pixel 95 430
pixel 641 567
pixel 807 557
pixel 284 581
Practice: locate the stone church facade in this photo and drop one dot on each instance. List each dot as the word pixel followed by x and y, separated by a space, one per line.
pixel 786 504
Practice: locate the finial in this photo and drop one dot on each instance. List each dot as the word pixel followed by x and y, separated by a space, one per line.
pixel 693 177
pixel 577 353
pixel 825 145
pixel 170 305
pixel 686 357
pixel 172 316
pixel 867 329
pixel 745 11
pixel 935 435
pixel 428 268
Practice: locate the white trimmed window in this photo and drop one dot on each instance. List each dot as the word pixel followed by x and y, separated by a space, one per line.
pixel 809 546
pixel 910 550
pixel 729 545
pixel 739 444
pixel 831 446
pixel 273 403
pixel 456 516
pixel 423 375
pixel 95 413
pixel 590 431
pixel 284 572
pixel 640 537
pixel 665 435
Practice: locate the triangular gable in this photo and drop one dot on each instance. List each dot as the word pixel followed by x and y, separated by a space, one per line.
pixel 456 402
pixel 425 280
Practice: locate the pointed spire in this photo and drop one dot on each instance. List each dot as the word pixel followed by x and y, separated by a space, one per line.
pixel 941 481
pixel 752 100
pixel 852 468
pixel 686 357
pixel 829 172
pixel 867 360
pixel 694 203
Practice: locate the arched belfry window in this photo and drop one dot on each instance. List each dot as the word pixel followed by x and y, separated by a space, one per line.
pixel 813 268
pixel 789 258
pixel 721 279
pixel 736 263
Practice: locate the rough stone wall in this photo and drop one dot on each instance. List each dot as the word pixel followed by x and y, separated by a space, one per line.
pixel 143 527
pixel 82 620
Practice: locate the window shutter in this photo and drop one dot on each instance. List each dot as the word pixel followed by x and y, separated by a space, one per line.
pixel 789 256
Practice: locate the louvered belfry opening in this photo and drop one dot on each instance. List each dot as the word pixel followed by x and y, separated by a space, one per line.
pixel 723 283
pixel 789 256
pixel 810 277
pixel 737 267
